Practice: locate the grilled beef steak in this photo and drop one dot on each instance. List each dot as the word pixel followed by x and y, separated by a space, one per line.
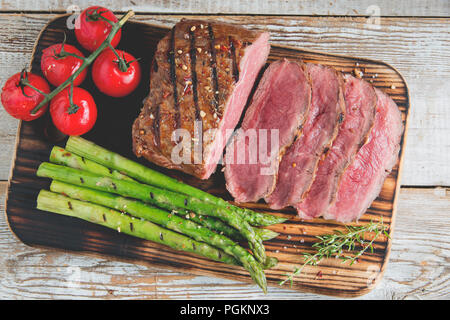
pixel 201 77
pixel 298 166
pixel 279 106
pixel 360 102
pixel 362 181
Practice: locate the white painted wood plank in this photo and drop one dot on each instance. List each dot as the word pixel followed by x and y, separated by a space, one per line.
pixel 418 48
pixel 418 267
pixel 269 7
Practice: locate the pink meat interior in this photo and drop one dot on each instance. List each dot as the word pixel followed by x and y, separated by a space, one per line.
pixel 279 104
pixel 363 179
pixel 254 58
pixel 360 100
pixel 298 166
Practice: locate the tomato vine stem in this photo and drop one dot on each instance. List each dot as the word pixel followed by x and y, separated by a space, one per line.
pixel 87 61
pixel 63 53
pixel 25 83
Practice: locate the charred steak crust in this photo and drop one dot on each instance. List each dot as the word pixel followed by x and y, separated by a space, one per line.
pixel 194 72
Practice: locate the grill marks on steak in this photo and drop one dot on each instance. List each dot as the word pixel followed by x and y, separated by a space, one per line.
pixel 281 102
pixel 194 77
pixel 360 102
pixel 298 166
pixel 214 67
pixel 173 78
pixel 362 181
pixel 193 56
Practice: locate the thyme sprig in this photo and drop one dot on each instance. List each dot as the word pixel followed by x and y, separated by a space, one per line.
pixel 341 245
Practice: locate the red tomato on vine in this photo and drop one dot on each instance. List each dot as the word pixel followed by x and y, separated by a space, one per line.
pixel 116 77
pixel 19 99
pixel 91 29
pixel 74 117
pixel 57 66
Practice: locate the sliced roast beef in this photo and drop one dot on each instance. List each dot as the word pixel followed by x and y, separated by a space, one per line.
pixel 298 166
pixel 362 181
pixel 201 77
pixel 360 102
pixel 278 109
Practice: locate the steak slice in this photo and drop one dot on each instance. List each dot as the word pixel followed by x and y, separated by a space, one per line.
pixel 362 181
pixel 360 102
pixel 280 105
pixel 201 77
pixel 298 166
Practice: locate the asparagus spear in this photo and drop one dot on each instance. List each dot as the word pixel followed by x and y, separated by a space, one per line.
pixel 162 198
pixel 266 234
pixel 139 172
pixel 113 219
pixel 61 156
pixel 167 220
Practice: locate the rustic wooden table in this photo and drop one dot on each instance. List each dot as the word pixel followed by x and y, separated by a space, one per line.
pixel 413 36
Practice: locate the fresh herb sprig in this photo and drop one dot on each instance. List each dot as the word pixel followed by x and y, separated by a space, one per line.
pixel 338 243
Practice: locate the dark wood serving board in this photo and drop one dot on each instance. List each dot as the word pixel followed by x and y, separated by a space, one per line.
pixel 113 131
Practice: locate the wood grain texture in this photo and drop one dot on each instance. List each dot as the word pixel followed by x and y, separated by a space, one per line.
pixel 437 8
pixel 418 267
pixel 35 227
pixel 419 48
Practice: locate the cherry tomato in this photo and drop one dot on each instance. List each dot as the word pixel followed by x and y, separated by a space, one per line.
pixel 58 69
pixel 77 119
pixel 19 100
pixel 91 30
pixel 110 79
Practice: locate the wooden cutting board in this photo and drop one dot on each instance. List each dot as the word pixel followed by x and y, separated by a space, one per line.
pixel 113 131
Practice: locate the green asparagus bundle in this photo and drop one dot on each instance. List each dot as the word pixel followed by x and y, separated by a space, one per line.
pixel 103 178
pixel 162 198
pixel 61 156
pixel 167 220
pixel 109 159
pixel 113 219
